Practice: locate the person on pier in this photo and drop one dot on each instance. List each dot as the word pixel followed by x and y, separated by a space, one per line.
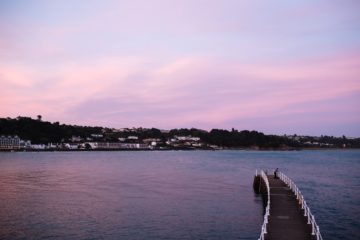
pixel 276 173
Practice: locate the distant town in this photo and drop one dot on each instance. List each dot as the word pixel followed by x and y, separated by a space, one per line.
pixel 27 134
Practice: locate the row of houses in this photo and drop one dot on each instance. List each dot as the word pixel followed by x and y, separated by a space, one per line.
pixel 13 143
pixel 131 142
pixel 100 137
pixel 108 145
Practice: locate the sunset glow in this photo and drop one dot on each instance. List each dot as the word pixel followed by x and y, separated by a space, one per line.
pixel 271 66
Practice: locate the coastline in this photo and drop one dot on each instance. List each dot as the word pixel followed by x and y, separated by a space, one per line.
pixel 175 149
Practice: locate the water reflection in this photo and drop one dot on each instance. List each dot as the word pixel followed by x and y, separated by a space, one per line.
pixel 166 195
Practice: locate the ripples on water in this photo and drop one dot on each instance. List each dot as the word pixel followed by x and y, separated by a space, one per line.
pixel 167 195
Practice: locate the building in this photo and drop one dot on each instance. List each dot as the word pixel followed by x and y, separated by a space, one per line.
pixel 116 145
pixel 38 146
pixel 152 142
pixel 25 144
pixel 187 138
pixel 9 142
pixel 132 138
pixel 97 135
pixel 76 139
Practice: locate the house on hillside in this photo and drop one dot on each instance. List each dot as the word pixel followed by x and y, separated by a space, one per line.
pixel 9 142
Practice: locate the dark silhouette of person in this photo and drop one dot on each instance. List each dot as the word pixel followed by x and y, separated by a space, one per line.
pixel 276 173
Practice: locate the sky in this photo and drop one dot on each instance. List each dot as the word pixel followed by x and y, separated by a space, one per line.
pixel 275 66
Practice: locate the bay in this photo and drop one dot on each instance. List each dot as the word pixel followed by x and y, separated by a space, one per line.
pixel 168 194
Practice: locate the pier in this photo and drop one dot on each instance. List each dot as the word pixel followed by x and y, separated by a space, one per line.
pixel 287 215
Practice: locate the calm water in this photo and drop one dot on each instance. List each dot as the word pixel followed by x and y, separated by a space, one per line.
pixel 167 195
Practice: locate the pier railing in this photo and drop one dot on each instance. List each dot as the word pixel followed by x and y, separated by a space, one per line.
pixel 263 176
pixel 315 231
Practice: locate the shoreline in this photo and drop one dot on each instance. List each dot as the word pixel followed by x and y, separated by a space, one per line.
pixel 172 149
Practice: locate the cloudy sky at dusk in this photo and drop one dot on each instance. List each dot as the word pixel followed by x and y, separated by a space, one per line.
pixel 273 66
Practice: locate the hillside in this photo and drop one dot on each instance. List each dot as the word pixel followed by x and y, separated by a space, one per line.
pixel 44 132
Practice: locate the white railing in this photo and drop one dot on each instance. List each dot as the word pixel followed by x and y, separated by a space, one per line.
pixel 307 213
pixel 267 209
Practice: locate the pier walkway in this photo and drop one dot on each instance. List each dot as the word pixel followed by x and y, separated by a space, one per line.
pixel 287 215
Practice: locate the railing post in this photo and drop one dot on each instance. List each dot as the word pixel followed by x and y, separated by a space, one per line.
pixel 302 201
pixel 313 224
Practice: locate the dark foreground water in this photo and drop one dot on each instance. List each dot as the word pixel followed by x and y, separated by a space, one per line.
pixel 167 195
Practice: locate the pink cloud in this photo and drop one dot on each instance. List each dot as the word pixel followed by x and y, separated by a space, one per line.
pixel 187 92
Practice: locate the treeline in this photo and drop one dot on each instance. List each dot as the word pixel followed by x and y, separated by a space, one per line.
pixel 235 138
pixel 39 131
pixel 329 141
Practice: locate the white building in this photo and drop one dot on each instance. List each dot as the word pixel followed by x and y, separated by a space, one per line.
pixel 9 142
pixel 97 135
pixel 76 139
pixel 38 146
pixel 117 145
pixel 187 138
pixel 132 138
pixel 24 144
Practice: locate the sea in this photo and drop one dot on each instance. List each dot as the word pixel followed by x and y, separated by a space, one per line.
pixel 168 194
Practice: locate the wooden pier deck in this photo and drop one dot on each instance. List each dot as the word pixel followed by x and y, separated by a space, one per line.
pixel 287 215
pixel 286 220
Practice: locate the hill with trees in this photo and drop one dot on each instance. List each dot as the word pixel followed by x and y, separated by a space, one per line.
pixel 43 132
